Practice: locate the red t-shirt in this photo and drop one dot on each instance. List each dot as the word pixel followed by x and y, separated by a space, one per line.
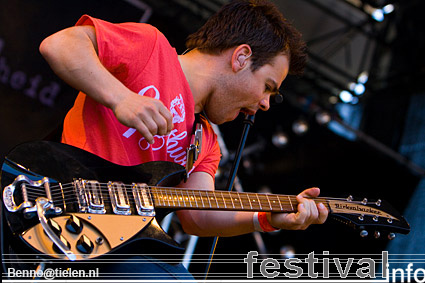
pixel 139 56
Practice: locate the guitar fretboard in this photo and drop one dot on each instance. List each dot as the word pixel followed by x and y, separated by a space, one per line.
pixel 222 200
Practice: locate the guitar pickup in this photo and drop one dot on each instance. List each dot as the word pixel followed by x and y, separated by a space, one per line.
pixel 89 196
pixel 119 198
pixel 143 200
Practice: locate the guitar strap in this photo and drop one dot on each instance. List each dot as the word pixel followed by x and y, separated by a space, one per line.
pixel 194 149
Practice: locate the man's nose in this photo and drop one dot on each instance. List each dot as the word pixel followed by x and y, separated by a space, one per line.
pixel 265 103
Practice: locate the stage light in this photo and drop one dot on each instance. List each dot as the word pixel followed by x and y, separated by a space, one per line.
pixel 300 127
pixel 357 88
pixel 333 99
pixel 363 77
pixel 346 96
pixel 388 9
pixel 323 117
pixel 287 251
pixel 280 139
pixel 378 15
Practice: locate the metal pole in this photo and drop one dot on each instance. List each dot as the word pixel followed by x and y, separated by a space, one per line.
pixel 249 121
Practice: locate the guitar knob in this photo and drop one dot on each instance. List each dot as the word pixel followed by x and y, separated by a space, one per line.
pixel 54 226
pixel 74 225
pixel 391 236
pixel 363 233
pixel 64 241
pixel 377 234
pixel 84 245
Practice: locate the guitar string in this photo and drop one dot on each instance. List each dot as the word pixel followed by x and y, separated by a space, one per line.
pixel 104 186
pixel 68 190
pixel 184 198
pixel 180 197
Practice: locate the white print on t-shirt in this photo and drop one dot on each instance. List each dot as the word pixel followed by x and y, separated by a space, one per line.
pixel 177 109
pixel 176 152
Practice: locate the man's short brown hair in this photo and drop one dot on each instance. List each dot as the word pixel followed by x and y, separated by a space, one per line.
pixel 257 23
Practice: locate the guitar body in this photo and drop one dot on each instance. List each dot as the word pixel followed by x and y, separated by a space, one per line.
pixel 107 233
pixel 67 204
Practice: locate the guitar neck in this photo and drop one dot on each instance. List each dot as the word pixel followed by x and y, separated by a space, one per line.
pixel 176 198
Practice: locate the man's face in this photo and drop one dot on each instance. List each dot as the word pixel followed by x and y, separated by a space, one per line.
pixel 246 91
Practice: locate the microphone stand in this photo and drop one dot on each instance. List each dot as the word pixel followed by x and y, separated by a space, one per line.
pixel 248 121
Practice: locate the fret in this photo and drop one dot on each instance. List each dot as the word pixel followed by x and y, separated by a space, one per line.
pixel 240 200
pixel 290 202
pixel 158 192
pixel 175 197
pixel 221 200
pixel 188 198
pixel 153 197
pixel 272 202
pixel 270 205
pixel 259 202
pixel 194 196
pixel 249 200
pixel 224 201
pixel 215 197
pixel 206 192
pixel 202 200
pixel 280 204
pixel 168 200
pixel 231 198
pixel 156 197
pixel 182 198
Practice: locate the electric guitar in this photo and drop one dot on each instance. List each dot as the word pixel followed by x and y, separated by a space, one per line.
pixel 68 204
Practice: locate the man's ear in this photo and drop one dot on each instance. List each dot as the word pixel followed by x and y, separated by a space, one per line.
pixel 240 57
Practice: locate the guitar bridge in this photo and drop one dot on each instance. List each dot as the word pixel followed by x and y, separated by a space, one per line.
pixel 29 209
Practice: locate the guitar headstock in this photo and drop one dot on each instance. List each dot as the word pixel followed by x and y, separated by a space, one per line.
pixel 372 218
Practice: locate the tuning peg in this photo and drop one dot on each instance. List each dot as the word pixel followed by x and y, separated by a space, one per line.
pixel 378 202
pixel 363 233
pixel 350 198
pixel 377 234
pixel 391 236
pixel 364 201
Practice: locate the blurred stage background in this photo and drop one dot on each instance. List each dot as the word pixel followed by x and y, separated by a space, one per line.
pixel 354 124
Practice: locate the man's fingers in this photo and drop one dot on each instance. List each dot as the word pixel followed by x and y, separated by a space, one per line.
pixel 142 129
pixel 311 192
pixel 323 213
pixel 166 114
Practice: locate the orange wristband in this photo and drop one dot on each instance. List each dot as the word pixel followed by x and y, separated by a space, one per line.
pixel 264 223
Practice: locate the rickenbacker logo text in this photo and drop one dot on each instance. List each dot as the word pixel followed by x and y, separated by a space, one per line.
pixel 357 208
